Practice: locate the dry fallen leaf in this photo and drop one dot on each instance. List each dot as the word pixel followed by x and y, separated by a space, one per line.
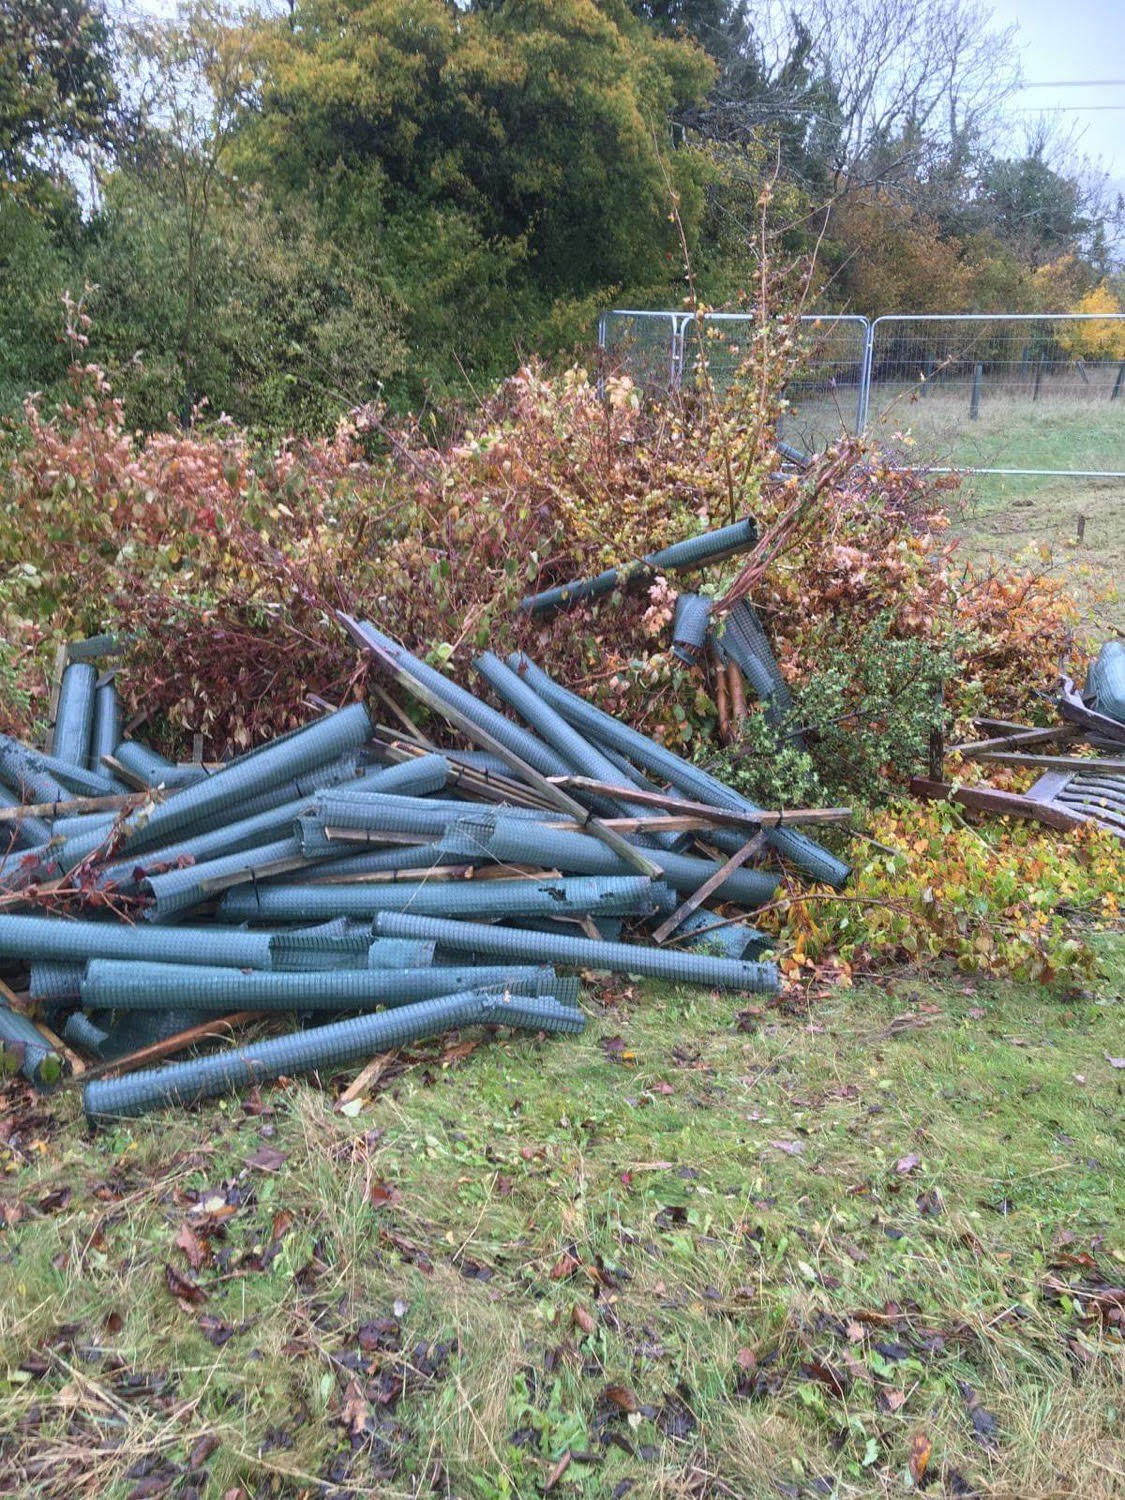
pixel 746 1359
pixel 354 1412
pixel 908 1163
pixel 1114 1062
pixel 186 1292
pixel 920 1450
pixel 189 1242
pixel 381 1193
pixel 583 1318
pixel 791 1148
pixel 621 1397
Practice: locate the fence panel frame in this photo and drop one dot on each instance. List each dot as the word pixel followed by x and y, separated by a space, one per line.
pixel 678 323
pixel 954 318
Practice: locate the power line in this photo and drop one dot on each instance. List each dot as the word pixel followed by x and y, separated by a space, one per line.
pixel 1075 83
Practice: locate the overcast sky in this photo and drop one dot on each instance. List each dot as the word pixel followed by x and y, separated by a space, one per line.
pixel 1074 41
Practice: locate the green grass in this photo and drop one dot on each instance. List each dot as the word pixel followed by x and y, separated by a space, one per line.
pixel 1014 519
pixel 792 1242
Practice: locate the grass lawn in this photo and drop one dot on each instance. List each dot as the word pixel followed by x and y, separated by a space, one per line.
pixel 691 1253
pixel 1010 519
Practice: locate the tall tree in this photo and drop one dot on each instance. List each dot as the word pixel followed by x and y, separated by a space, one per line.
pixel 57 87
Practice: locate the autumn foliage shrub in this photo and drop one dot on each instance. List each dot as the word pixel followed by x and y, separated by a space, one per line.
pixel 221 560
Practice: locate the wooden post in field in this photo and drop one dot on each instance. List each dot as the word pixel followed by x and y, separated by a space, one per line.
pixel 1038 377
pixel 1119 383
pixel 974 399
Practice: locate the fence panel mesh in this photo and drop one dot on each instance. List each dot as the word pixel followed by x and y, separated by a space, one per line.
pixel 646 345
pixel 986 393
pixel 824 393
pixel 1023 393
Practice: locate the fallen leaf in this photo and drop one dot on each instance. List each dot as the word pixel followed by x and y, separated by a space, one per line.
pixel 189 1242
pixel 908 1163
pixel 892 1400
pixel 621 1397
pixel 185 1291
pixel 282 1223
pixel 746 1359
pixel 566 1265
pixel 354 1411
pixel 791 1148
pixel 1114 1062
pixel 266 1159
pixel 582 1318
pixel 920 1450
pixel 380 1193
pixel 202 1450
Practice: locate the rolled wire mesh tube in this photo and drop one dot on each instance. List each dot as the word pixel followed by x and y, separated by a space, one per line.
pixel 730 939
pixel 547 947
pixel 74 714
pixel 26 831
pixel 20 1042
pixel 82 1031
pixel 330 1046
pixel 804 853
pixel 428 773
pixel 180 889
pixel 223 831
pixel 400 861
pixel 59 940
pixel 27 774
pixel 527 746
pixel 155 769
pixel 689 627
pixel 560 849
pixel 282 759
pixel 113 985
pixel 398 953
pixel 105 736
pixel 741 637
pixel 338 944
pixel 246 833
pixel 52 982
pixel 575 748
pixel 613 895
pixel 693 552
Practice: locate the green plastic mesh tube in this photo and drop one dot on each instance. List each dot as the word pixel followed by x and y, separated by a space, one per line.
pixel 612 895
pixel 56 938
pixel 28 831
pixel 697 783
pixel 693 552
pixel 23 1048
pixel 74 716
pixel 111 984
pixel 323 1047
pixel 561 849
pixel 289 756
pixel 519 945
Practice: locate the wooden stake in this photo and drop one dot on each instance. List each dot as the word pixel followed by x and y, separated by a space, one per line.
pixel 158 1051
pixel 369 1074
pixel 123 802
pixel 712 883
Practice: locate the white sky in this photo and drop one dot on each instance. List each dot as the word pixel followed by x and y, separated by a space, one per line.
pixel 1074 40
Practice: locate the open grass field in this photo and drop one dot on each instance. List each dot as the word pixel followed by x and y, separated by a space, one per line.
pixel 872 1247
pixel 1012 518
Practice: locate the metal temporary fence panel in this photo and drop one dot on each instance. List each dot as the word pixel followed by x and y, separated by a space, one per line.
pixel 825 390
pixel 1021 394
pixel 646 345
